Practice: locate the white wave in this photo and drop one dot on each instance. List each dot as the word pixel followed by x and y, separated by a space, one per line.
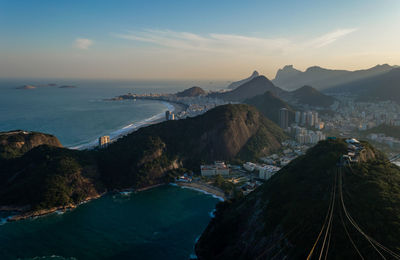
pixel 5 220
pixel 60 212
pixel 193 256
pixel 125 193
pixel 212 213
pixel 203 191
pixel 128 128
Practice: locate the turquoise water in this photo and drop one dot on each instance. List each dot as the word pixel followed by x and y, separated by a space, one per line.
pixel 161 223
pixel 78 116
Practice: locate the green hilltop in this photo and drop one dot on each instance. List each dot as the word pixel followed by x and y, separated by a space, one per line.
pixel 48 176
pixel 283 218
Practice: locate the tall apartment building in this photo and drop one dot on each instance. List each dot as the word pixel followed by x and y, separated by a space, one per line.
pixel 284 118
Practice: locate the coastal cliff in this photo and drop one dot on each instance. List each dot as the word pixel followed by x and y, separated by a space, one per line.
pixel 282 218
pixel 48 177
pixel 16 143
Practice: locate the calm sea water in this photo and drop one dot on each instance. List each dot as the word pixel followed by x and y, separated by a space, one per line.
pixel 162 223
pixel 80 115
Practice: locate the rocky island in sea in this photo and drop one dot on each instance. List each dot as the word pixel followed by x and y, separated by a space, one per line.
pixel 26 87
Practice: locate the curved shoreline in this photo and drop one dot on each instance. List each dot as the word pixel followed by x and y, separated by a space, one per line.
pixel 132 127
pixel 201 187
pixel 204 188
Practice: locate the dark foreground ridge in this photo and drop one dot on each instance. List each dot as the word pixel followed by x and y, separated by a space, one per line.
pixel 48 177
pixel 288 217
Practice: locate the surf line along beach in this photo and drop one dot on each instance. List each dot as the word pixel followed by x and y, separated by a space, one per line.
pixel 132 127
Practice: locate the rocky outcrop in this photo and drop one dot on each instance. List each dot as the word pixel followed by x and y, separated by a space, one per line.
pixel 191 92
pixel 16 143
pixel 236 84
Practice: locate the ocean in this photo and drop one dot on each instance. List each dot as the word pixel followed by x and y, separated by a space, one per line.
pixel 78 116
pixel 161 223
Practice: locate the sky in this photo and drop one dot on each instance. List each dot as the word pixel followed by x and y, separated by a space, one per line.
pixel 193 39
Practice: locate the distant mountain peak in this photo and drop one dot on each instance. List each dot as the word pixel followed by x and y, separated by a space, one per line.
pixel 321 78
pixel 255 74
pixel 191 92
pixel 236 84
pixel 286 72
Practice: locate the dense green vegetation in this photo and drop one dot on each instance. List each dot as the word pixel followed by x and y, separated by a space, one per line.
pixel 269 105
pixel 16 143
pixel 47 176
pixel 308 95
pixel 293 205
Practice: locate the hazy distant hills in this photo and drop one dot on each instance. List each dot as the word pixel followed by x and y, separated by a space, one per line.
pixel 260 85
pixel 236 84
pixel 191 92
pixel 308 95
pixel 381 87
pixel 269 105
pixel 257 86
pixel 290 78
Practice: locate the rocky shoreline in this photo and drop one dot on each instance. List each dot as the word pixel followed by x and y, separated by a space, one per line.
pixel 25 213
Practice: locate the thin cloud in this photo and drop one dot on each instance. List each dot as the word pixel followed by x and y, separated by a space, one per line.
pixel 231 43
pixel 83 43
pixel 331 37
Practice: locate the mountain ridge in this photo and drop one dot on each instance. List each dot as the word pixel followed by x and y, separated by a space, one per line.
pixel 322 78
pixel 236 84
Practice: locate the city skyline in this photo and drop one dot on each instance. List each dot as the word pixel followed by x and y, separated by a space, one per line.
pixel 192 40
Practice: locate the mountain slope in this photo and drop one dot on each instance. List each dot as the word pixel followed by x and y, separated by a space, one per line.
pixel 191 92
pixel 48 177
pixel 16 143
pixel 269 105
pixel 236 84
pixel 282 219
pixel 307 95
pixel 320 78
pixel 382 87
pixel 256 86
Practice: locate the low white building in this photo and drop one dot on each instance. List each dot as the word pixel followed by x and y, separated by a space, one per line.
pixel 267 171
pixel 214 169
pixel 249 166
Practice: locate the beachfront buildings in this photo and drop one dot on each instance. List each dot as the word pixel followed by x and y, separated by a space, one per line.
pixel 169 115
pixel 214 169
pixel 104 141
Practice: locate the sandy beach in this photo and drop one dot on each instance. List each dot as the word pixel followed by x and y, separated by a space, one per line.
pixel 203 187
pixel 173 107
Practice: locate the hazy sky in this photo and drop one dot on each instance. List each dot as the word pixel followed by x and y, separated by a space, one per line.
pixel 188 39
